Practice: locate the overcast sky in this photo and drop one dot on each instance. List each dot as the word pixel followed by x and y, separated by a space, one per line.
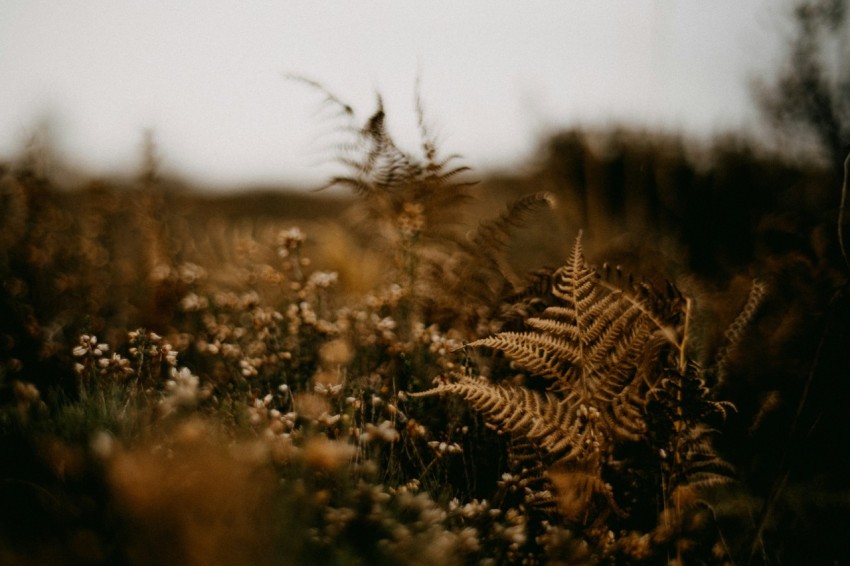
pixel 207 76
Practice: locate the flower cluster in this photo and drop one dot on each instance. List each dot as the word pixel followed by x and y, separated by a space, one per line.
pixel 94 360
pixel 182 391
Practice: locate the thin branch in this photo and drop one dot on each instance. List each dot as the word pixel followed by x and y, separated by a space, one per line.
pixel 841 209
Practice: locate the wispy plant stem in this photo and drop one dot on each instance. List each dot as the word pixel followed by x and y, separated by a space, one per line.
pixel 841 208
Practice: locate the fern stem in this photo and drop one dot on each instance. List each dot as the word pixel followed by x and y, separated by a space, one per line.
pixel 683 360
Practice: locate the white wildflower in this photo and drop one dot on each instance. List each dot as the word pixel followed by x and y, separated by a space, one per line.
pixel 181 390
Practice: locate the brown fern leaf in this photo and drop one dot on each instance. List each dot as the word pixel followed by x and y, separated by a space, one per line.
pixel 390 180
pixel 330 98
pixel 620 395
pixel 492 237
pixel 555 431
pixel 473 276
pixel 529 301
pixel 496 233
pixel 736 330
pixel 594 345
pixel 599 350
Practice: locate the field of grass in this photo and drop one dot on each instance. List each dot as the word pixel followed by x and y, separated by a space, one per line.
pixel 632 353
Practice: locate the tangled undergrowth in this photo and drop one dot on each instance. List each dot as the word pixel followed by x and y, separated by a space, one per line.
pixel 454 413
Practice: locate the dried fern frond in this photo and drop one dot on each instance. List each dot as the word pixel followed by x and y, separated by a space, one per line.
pixel 704 467
pixel 492 237
pixel 681 406
pixel 529 301
pixel 539 419
pixel 411 205
pixel 547 434
pixel 735 331
pixel 330 98
pixel 388 172
pixel 611 354
pixel 496 233
pixel 594 345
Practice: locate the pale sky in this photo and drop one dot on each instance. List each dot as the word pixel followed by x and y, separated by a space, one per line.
pixel 207 76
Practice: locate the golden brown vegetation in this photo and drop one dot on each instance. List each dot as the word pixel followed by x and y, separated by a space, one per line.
pixel 185 381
